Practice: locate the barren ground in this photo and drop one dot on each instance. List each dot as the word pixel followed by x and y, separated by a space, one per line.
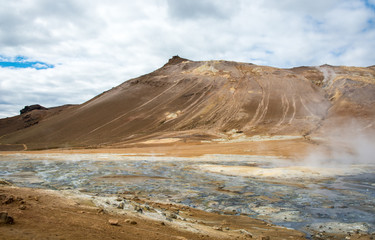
pixel 48 215
pixel 56 215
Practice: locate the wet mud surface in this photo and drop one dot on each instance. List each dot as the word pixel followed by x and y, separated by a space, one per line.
pixel 336 203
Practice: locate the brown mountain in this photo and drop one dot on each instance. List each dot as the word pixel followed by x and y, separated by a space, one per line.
pixel 204 100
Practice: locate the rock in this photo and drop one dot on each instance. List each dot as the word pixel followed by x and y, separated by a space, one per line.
pixel 175 60
pixel 31 108
pixel 172 215
pixel 162 223
pixel 218 228
pixel 246 233
pixel 264 238
pixel 3 182
pixel 114 222
pixel 181 238
pixel 5 218
pixel 121 205
pixel 132 222
pixel 138 209
pixel 101 211
pixel 8 200
pixel 22 207
pixel 9 220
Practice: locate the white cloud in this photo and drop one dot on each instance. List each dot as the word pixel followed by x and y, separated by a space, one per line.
pixel 96 45
pixel 195 9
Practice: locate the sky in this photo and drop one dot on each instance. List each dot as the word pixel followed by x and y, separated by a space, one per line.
pixel 66 52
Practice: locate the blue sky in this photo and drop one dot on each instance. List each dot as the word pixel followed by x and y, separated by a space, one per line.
pixel 60 52
pixel 22 62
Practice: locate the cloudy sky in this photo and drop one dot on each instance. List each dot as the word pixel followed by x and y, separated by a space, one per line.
pixel 68 51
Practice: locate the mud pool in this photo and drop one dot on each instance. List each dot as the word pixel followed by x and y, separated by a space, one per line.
pixel 342 201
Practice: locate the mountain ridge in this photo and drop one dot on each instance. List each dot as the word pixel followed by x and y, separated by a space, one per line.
pixel 207 100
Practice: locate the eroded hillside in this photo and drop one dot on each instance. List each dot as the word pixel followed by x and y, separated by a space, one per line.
pixel 195 100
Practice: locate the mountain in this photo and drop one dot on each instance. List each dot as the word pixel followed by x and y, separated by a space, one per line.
pixel 204 100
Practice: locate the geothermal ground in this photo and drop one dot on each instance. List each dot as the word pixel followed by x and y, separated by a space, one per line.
pixel 319 201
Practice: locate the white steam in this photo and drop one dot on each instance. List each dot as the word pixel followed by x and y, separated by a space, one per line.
pixel 329 75
pixel 350 143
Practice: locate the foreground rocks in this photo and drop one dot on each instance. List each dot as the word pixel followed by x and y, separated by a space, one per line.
pixel 114 222
pixel 49 213
pixel 130 221
pixel 5 218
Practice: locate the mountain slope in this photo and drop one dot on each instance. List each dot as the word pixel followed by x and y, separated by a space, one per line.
pixel 191 100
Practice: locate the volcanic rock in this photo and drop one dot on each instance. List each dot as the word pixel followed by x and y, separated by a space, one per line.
pixel 30 108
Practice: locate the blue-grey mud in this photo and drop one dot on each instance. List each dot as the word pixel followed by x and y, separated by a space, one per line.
pixel 306 198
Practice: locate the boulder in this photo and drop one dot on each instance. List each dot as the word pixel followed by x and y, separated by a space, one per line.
pixel 31 108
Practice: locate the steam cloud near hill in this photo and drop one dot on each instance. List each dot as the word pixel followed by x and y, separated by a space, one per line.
pixel 347 144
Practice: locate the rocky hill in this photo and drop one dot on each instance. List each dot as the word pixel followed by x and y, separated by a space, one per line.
pixel 203 101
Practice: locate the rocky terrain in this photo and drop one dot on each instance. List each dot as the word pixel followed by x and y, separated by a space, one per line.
pixel 41 214
pixel 143 196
